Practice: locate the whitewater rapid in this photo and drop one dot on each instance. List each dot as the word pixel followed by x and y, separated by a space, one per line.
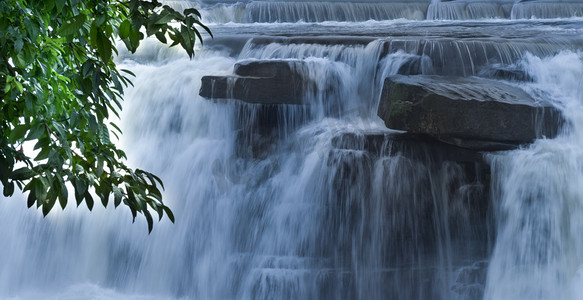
pixel 307 219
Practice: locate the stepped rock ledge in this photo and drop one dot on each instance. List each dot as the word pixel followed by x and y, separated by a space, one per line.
pixel 469 112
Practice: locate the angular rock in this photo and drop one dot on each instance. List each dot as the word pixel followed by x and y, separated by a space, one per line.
pixel 473 113
pixel 268 68
pixel 264 82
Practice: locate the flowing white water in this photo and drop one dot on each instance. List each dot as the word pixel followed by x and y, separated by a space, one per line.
pixel 539 252
pixel 358 11
pixel 328 207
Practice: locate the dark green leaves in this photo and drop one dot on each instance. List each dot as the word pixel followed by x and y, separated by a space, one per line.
pixel 72 25
pixel 130 34
pixel 125 29
pixel 8 189
pixel 35 132
pixel 60 4
pixel 102 42
pixel 191 11
pixel 18 133
pixel 59 84
pixel 155 18
pixel 22 174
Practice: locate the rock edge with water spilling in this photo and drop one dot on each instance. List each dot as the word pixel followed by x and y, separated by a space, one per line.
pixel 263 82
pixel 471 112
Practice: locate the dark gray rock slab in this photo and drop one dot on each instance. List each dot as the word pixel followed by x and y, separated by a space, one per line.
pixel 264 82
pixel 475 113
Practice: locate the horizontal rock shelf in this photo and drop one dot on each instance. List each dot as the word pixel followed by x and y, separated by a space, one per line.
pixel 264 82
pixel 475 113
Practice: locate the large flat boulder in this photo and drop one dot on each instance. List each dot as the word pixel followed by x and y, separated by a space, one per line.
pixel 470 112
pixel 263 82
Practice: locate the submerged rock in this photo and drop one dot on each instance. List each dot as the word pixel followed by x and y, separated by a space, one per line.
pixel 415 65
pixel 468 112
pixel 509 73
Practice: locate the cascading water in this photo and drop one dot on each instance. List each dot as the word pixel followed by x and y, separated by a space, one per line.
pixel 539 250
pixel 325 202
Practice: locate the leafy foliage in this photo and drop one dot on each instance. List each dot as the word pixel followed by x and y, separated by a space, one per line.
pixel 59 84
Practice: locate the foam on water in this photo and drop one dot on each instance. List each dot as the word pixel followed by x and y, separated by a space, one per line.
pixel 328 207
pixel 539 250
pixel 358 11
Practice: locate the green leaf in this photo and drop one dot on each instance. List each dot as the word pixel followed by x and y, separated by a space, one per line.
pixel 104 134
pixel 23 173
pixel 42 143
pixel 33 188
pixel 49 4
pixel 31 198
pixel 55 159
pixel 104 195
pixel 43 154
pixel 64 195
pixel 191 11
pixel 80 188
pixel 161 37
pixel 99 169
pixel 169 213
pixel 73 25
pixel 18 133
pixel 149 220
pixel 133 40
pixel 35 132
pixel 74 117
pixel 60 131
pixel 128 72
pixel 117 196
pixel 8 189
pixel 49 202
pixel 87 68
pixel 102 42
pixel 41 190
pixel 100 19
pixel 164 17
pixel 89 200
pixel 18 45
pixel 92 123
pixel 125 29
pixel 60 4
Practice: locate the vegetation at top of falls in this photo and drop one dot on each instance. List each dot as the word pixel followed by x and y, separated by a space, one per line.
pixel 59 84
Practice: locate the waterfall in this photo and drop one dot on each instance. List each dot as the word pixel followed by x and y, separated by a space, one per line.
pixel 358 11
pixel 539 251
pixel 320 200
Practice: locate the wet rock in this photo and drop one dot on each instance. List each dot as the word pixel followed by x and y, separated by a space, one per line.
pixel 257 82
pixel 473 113
pixel 412 145
pixel 506 73
pixel 415 65
pixel 314 40
pixel 515 75
pixel 268 68
pixel 251 90
pixel 264 82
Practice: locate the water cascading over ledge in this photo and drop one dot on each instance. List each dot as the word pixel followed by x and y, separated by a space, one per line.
pixel 358 11
pixel 319 199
